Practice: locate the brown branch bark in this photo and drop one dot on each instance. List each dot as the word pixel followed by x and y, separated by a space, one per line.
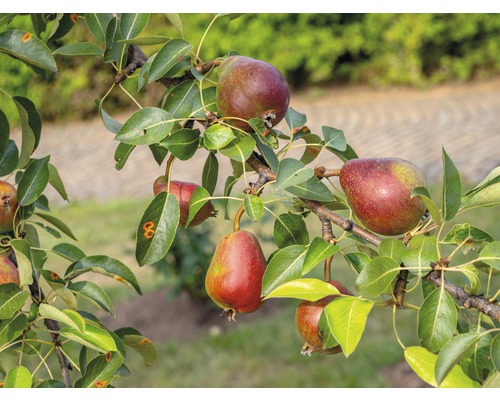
pixel 400 288
pixel 468 300
pixel 136 60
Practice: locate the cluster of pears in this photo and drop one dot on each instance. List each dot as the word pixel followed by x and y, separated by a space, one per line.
pixel 8 207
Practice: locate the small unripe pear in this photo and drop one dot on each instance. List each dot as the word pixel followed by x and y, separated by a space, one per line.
pixel 183 191
pixel 379 192
pixel 8 271
pixel 8 206
pixel 249 88
pixel 234 277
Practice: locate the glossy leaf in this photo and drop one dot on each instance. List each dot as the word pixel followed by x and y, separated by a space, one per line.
pixel 452 352
pixel 305 289
pixel 93 292
pixel 268 154
pixel 113 47
pixel 57 223
pixel 156 122
pixel 422 251
pixel 95 337
pixel 486 193
pixel 56 182
pixel 157 228
pixel 22 251
pixel 63 24
pixel 31 125
pixel 12 298
pixel 437 320
pixel 378 276
pixel 68 317
pixel 10 329
pixel 495 352
pixel 183 143
pixel 472 275
pixel 146 40
pixel 176 21
pixel 423 362
pixel 357 260
pixel 97 24
pixel 324 332
pixel 197 200
pixel 180 100
pixel 79 49
pixel 27 48
pixel 291 172
pixel 312 189
pixel 290 229
pixel 254 207
pixel 210 173
pixel 209 103
pixel 100 371
pixel 294 119
pixel 240 149
pixel 132 24
pixel 491 255
pixel 392 248
pixel 109 122
pixel 425 196
pixel 18 377
pixel 68 251
pixel 493 381
pixel 346 155
pixel 145 347
pixel 313 149
pixel 109 267
pixel 169 55
pixel 346 317
pixel 122 153
pixel 334 138
pixel 318 251
pixel 33 181
pixel 9 161
pixel 286 265
pixel 469 237
pixel 217 136
pixel 452 188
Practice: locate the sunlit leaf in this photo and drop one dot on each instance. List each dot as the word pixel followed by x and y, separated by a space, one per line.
pixel 305 288
pixel 452 188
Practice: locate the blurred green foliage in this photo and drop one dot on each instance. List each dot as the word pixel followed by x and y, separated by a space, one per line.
pixel 378 49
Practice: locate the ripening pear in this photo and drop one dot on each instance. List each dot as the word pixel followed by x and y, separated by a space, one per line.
pixel 379 192
pixel 8 271
pixel 234 277
pixel 8 206
pixel 249 88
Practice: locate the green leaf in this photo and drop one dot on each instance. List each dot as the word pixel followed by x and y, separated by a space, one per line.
pixel 52 384
pixel 210 173
pixel 452 188
pixel 169 55
pixel 101 371
pixel 305 289
pixel 95 337
pixel 478 361
pixel 268 154
pixel 157 228
pixel 31 124
pixel 357 260
pixel 109 122
pixel 209 103
pixel 79 49
pixel 12 298
pixel 67 317
pixel 33 181
pixel 346 155
pixel 334 138
pixel 491 255
pixel 122 154
pixel 143 346
pixel 114 49
pixel 240 149
pixel 93 292
pixel 422 251
pixel 175 20
pixel 324 332
pixel 290 229
pixel 254 207
pixel 452 352
pixel 437 320
pixel 425 196
pixel 4 133
pixel 132 25
pixel 377 277
pixel 61 27
pixel 317 251
pixel 312 189
pixel 493 381
pixel 472 274
pixel 392 248
pixel 469 237
pixel 18 377
pixel 110 267
pixel 311 152
pixel 22 250
pixel 56 182
pixel 291 172
pixel 9 161
pixel 197 200
pixel 217 136
pixel 180 100
pixel 156 122
pixel 146 40
pixel 12 328
pixel 286 265
pixel 68 251
pixel 486 193
pixel 183 143
pixel 495 352
pixel 294 119
pixel 27 48
pixel 346 317
pixel 97 24
pixel 423 362
pixel 57 223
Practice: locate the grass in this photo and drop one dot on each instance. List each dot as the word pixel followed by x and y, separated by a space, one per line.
pixel 265 353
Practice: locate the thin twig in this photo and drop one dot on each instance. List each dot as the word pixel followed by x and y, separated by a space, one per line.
pixel 137 59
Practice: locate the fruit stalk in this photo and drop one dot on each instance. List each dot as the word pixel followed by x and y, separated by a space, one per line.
pixel 328 236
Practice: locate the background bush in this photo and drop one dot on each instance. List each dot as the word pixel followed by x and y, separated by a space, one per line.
pixel 377 49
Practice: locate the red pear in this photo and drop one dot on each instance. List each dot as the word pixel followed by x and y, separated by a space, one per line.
pixel 307 319
pixel 234 277
pixel 8 206
pixel 183 191
pixel 250 88
pixel 8 271
pixel 379 192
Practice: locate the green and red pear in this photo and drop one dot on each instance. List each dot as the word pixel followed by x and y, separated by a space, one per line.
pixel 307 317
pixel 8 206
pixel 249 88
pixel 379 192
pixel 234 277
pixel 182 192
pixel 8 271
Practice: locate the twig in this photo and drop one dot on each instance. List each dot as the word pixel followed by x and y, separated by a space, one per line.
pixel 400 288
pixel 137 60
pixel 468 300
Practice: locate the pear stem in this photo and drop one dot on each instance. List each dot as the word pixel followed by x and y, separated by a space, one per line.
pixel 322 172
pixel 237 217
pixel 329 237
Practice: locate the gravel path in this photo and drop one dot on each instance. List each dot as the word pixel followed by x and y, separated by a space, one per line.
pixel 407 123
